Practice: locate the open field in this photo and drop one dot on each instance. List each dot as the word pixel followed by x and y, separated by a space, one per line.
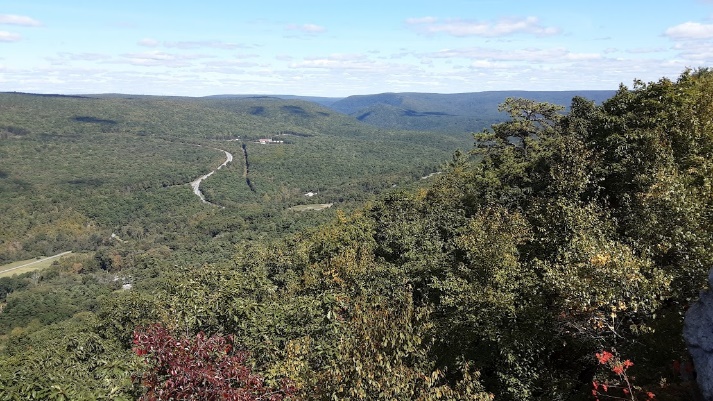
pixel 314 206
pixel 24 266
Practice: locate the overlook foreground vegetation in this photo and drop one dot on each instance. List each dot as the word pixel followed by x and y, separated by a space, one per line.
pixel 537 266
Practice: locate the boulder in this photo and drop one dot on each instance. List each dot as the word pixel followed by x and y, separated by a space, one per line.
pixel 698 333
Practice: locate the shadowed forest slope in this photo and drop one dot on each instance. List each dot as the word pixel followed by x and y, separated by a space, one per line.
pixel 457 112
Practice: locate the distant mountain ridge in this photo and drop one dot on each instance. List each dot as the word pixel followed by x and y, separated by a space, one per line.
pixel 457 112
pixel 453 113
pixel 321 100
pixel 460 103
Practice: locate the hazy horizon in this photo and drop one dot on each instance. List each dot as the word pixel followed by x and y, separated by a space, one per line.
pixel 297 95
pixel 293 95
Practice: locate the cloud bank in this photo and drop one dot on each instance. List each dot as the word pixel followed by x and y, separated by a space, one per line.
pixel 21 20
pixel 690 30
pixel 501 27
pixel 9 36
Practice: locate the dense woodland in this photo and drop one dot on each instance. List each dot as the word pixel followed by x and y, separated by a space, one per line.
pixel 74 170
pixel 552 260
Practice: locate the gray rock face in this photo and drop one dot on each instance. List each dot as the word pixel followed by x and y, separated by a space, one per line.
pixel 698 333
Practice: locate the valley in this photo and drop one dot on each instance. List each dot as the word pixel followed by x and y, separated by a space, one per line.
pixel 386 246
pixel 87 167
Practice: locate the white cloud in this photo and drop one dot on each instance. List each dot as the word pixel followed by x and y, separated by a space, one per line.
pixel 9 36
pixel 690 30
pixel 582 56
pixel 502 27
pixel 695 52
pixel 231 63
pixel 352 63
pixel 646 50
pixel 548 56
pixel 399 55
pixel 332 64
pixel 227 66
pixel 161 59
pixel 307 28
pixel 147 42
pixel 487 64
pixel 338 79
pixel 214 44
pixel 63 57
pixel 10 19
pixel 421 20
pixel 342 57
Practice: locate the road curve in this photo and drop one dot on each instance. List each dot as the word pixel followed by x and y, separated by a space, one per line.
pixel 195 184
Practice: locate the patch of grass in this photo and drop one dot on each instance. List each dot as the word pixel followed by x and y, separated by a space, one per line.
pixel 314 206
pixel 28 265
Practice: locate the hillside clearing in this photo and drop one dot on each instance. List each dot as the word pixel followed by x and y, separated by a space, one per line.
pixel 24 266
pixel 314 206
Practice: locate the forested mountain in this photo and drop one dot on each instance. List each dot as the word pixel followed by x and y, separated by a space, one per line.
pixel 321 100
pixel 458 112
pixel 452 113
pixel 552 267
pixel 74 170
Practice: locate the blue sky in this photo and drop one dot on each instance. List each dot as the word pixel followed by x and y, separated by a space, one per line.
pixel 338 48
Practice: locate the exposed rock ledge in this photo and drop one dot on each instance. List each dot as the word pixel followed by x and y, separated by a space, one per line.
pixel 698 333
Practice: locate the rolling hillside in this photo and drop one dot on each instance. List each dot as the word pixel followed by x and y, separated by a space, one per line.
pixel 459 112
pixel 76 169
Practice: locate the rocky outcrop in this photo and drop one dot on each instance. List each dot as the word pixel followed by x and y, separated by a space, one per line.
pixel 698 333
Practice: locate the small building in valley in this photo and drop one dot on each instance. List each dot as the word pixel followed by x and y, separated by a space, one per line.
pixel 265 141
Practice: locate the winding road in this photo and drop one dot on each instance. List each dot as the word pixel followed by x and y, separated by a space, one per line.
pixel 195 184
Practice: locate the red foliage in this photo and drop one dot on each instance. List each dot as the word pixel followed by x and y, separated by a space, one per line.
pixel 604 357
pixel 200 368
pixel 621 383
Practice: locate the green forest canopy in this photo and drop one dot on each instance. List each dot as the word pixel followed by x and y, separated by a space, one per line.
pixel 556 238
pixel 75 170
